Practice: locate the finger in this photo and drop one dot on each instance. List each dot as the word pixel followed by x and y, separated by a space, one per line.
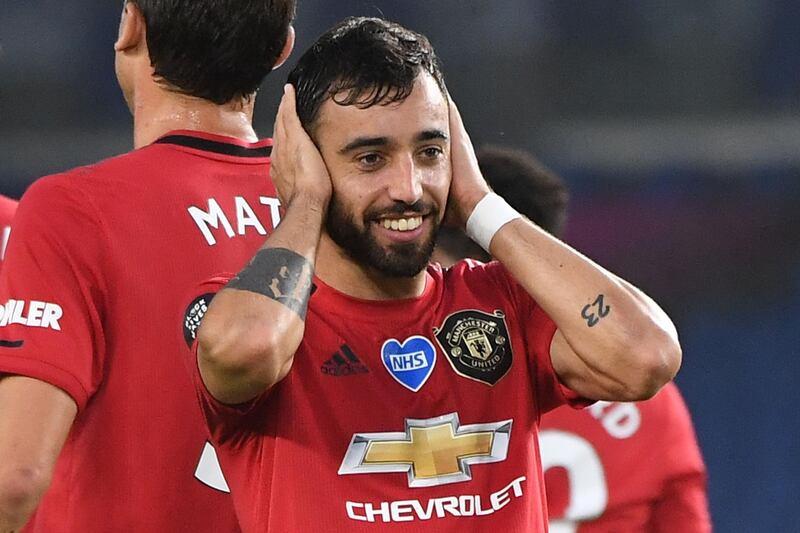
pixel 279 129
pixel 455 115
pixel 456 122
pixel 292 120
pixel 461 139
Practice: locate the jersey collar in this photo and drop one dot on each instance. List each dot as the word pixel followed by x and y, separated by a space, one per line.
pixel 218 144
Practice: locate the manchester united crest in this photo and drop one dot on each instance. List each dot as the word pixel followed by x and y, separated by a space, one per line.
pixel 476 344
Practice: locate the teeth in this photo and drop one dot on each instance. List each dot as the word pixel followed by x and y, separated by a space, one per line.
pixel 402 224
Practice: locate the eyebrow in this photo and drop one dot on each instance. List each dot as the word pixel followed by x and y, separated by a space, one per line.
pixel 429 135
pixel 363 142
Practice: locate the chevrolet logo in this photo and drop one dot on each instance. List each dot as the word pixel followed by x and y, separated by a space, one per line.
pixel 434 451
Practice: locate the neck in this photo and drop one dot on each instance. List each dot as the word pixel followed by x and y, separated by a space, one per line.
pixel 159 111
pixel 340 271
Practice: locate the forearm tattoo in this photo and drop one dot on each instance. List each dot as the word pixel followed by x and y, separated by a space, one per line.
pixel 595 311
pixel 280 274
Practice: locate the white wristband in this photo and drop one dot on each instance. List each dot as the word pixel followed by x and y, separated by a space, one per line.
pixel 491 214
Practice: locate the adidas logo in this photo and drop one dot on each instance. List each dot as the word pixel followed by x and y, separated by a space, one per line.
pixel 343 363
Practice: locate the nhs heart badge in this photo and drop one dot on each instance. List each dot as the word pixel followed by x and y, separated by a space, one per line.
pixel 410 362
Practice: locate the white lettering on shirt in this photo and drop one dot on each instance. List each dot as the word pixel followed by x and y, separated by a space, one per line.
pixel 620 419
pixel 32 314
pixel 213 217
pixel 461 506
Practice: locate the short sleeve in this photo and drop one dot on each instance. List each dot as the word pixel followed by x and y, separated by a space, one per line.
pixel 538 330
pixel 52 292
pixel 223 421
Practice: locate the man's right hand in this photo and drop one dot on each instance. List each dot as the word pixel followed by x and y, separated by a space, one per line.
pixel 297 168
pixel 253 327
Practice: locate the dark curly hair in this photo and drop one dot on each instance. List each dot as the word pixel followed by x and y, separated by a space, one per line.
pixel 363 62
pixel 218 50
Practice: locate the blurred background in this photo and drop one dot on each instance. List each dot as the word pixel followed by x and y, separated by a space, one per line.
pixel 676 125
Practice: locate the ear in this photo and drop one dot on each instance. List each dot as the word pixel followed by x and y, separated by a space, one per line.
pixel 131 28
pixel 287 48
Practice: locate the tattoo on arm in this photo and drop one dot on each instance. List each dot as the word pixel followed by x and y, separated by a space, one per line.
pixel 596 310
pixel 281 275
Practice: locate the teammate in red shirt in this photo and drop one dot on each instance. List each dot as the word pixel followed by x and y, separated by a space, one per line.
pixel 625 467
pixel 400 397
pixel 99 265
pixel 7 209
pixel 615 466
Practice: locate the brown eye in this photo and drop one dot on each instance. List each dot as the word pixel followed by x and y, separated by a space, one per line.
pixel 432 153
pixel 371 160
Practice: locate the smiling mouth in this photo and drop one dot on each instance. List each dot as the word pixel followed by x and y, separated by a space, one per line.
pixel 402 224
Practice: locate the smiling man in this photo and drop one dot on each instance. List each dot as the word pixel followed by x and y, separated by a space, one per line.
pixel 350 386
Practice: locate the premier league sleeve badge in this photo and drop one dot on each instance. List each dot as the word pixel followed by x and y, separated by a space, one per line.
pixel 476 344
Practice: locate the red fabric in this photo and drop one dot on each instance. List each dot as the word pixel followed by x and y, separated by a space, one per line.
pixel 7 209
pixel 281 454
pixel 650 465
pixel 116 248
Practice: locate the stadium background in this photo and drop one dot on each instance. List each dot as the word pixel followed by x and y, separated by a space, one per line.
pixel 675 124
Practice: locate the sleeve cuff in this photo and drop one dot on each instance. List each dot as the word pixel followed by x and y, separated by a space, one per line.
pixel 42 371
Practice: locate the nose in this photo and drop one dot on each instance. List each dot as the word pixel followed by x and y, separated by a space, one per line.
pixel 406 182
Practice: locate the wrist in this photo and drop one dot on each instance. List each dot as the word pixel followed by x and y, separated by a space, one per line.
pixel 471 202
pixel 310 201
pixel 490 214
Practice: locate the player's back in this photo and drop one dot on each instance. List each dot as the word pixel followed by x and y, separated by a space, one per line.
pixel 7 209
pixel 132 236
pixel 624 467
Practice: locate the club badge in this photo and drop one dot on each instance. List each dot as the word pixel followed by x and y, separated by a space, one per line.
pixel 411 362
pixel 476 344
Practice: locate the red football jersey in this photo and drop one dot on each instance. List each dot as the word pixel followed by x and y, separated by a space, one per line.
pixel 98 267
pixel 7 209
pixel 630 467
pixel 408 415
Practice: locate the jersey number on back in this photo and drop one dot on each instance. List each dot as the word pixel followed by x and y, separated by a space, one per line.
pixel 588 493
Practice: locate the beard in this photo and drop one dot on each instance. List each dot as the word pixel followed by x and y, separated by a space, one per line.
pixel 404 260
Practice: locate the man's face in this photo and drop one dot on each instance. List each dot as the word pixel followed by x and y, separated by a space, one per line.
pixel 390 169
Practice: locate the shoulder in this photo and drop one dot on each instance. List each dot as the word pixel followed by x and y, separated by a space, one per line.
pixel 473 271
pixel 79 182
pixel 71 203
pixel 94 183
pixel 58 197
pixel 488 282
pixel 7 209
pixel 105 174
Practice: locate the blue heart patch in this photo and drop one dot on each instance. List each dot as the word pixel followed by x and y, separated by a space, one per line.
pixel 410 362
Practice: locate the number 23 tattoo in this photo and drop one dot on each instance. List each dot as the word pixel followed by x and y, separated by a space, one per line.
pixel 596 310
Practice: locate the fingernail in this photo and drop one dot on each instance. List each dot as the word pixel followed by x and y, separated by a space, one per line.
pixel 286 88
